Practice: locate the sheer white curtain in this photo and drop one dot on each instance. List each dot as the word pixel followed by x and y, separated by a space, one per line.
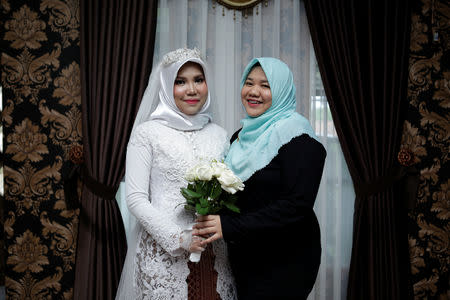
pixel 230 40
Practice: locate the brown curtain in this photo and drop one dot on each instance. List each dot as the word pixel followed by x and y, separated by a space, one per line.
pixel 116 41
pixel 362 50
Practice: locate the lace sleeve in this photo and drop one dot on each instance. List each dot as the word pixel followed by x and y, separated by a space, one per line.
pixel 138 166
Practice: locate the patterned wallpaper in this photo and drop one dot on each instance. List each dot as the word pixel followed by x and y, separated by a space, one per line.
pixel 426 136
pixel 41 116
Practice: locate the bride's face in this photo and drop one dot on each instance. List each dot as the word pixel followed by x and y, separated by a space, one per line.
pixel 190 90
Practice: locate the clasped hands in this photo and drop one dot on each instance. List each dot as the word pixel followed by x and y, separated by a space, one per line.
pixel 207 230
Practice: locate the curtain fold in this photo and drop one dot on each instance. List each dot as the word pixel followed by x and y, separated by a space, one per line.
pixel 362 51
pixel 117 42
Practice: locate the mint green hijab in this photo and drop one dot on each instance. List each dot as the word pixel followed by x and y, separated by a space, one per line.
pixel 261 137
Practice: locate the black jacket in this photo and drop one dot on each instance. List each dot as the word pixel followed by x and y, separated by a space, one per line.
pixel 274 243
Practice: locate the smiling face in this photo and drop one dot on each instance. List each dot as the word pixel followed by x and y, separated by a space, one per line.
pixel 255 94
pixel 190 90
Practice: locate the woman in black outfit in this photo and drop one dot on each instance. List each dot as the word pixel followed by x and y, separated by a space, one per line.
pixel 274 243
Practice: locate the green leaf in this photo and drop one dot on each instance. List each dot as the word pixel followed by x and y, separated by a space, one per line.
pixel 201 210
pixel 189 208
pixel 202 187
pixel 187 193
pixel 216 190
pixel 232 207
pixel 203 202
pixel 232 198
pixel 184 194
pixel 214 210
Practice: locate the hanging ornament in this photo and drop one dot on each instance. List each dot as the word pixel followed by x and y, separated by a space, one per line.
pixel 240 4
pixel 245 6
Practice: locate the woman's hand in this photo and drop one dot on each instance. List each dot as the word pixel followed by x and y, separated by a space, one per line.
pixel 208 226
pixel 196 245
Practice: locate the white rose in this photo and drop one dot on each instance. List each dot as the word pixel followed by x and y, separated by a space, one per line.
pixel 204 172
pixel 190 175
pixel 230 182
pixel 218 168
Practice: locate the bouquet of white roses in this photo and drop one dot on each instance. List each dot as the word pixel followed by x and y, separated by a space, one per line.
pixel 211 188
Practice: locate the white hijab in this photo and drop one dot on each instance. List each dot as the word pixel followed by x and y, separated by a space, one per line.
pixel 160 90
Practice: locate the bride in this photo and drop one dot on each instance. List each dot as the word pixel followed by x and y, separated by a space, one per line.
pixel 165 142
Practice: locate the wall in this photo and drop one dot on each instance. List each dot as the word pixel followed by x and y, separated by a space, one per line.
pixel 426 138
pixel 41 116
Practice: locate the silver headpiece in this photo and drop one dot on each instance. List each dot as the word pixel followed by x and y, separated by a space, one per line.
pixel 181 54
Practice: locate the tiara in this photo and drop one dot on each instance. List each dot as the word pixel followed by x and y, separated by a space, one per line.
pixel 181 54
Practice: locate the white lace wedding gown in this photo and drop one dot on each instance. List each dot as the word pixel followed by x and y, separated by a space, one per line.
pixel 156 266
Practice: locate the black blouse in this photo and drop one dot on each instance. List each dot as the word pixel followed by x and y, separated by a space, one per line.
pixel 274 243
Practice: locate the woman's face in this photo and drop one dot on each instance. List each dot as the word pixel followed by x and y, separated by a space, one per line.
pixel 255 94
pixel 190 90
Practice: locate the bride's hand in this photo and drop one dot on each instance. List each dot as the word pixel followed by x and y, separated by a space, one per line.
pixel 196 245
pixel 208 226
